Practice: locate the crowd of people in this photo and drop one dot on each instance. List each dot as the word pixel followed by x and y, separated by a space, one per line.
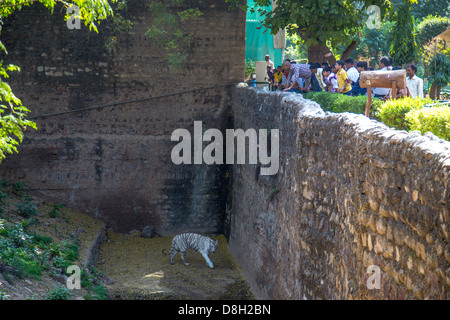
pixel 342 77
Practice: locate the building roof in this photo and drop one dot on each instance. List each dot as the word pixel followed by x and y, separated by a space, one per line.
pixel 444 36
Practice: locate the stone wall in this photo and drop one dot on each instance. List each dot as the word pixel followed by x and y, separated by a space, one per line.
pixel 350 193
pixel 114 162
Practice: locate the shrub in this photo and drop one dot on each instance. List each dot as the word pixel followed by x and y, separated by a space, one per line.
pixel 338 103
pixel 439 70
pixel 56 209
pixel 435 120
pixel 430 27
pixel 59 293
pixel 3 296
pixel 26 209
pixel 25 265
pixel 393 112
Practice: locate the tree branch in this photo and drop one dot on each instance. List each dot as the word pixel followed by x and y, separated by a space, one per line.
pixel 2 6
pixel 349 50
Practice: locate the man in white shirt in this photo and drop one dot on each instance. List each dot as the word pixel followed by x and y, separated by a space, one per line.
pixel 413 82
pixel 382 92
pixel 269 63
pixel 352 72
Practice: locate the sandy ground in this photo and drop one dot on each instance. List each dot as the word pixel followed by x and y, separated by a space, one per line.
pixel 140 270
pixel 134 267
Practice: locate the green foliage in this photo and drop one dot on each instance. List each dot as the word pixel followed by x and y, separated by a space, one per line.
pixel 403 48
pixel 439 70
pixel 17 251
pixel 393 112
pixel 29 254
pixel 20 188
pixel 430 27
pixel 3 296
pixel 374 43
pixel 319 21
pixel 13 114
pixel 295 48
pixel 117 24
pixel 25 266
pixel 402 114
pixel 424 8
pixel 26 209
pixel 60 292
pixel 167 29
pixel 63 254
pixel 92 282
pixel 339 103
pixel 249 67
pixel 91 11
pixel 435 120
pixel 56 210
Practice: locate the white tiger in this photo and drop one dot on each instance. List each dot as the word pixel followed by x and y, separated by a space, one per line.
pixel 197 242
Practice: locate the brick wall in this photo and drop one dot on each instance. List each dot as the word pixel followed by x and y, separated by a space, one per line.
pixel 350 194
pixel 114 162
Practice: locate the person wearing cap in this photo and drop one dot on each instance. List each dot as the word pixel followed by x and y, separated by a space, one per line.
pixel 269 62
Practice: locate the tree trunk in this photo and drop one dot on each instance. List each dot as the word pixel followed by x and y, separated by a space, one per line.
pixel 349 50
pixel 435 92
pixel 316 53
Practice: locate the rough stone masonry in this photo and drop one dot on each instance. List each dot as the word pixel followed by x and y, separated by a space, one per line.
pixel 114 162
pixel 351 193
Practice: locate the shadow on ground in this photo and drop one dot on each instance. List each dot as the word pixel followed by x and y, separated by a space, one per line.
pixel 140 270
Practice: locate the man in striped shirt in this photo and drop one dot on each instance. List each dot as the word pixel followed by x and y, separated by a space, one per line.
pixel 297 71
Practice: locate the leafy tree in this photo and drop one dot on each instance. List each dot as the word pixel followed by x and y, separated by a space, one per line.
pixel 295 48
pixel 374 43
pixel 439 70
pixel 404 47
pixel 424 8
pixel 13 113
pixel 167 29
pixel 430 27
pixel 169 17
pixel 322 24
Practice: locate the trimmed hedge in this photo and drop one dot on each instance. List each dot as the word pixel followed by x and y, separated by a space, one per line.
pixel 393 112
pixel 338 103
pixel 402 114
pixel 435 120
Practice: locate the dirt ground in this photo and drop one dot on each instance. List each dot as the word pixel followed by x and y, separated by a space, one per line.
pixel 140 270
pixel 133 267
pixel 67 225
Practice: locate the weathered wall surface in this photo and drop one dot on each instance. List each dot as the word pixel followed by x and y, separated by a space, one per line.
pixel 114 162
pixel 350 193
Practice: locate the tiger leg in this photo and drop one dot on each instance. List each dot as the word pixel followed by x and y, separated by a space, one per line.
pixel 173 253
pixel 183 257
pixel 208 261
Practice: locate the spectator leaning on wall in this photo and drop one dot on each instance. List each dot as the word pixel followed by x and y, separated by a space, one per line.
pixel 297 71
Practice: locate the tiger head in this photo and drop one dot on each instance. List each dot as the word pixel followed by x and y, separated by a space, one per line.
pixel 213 245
